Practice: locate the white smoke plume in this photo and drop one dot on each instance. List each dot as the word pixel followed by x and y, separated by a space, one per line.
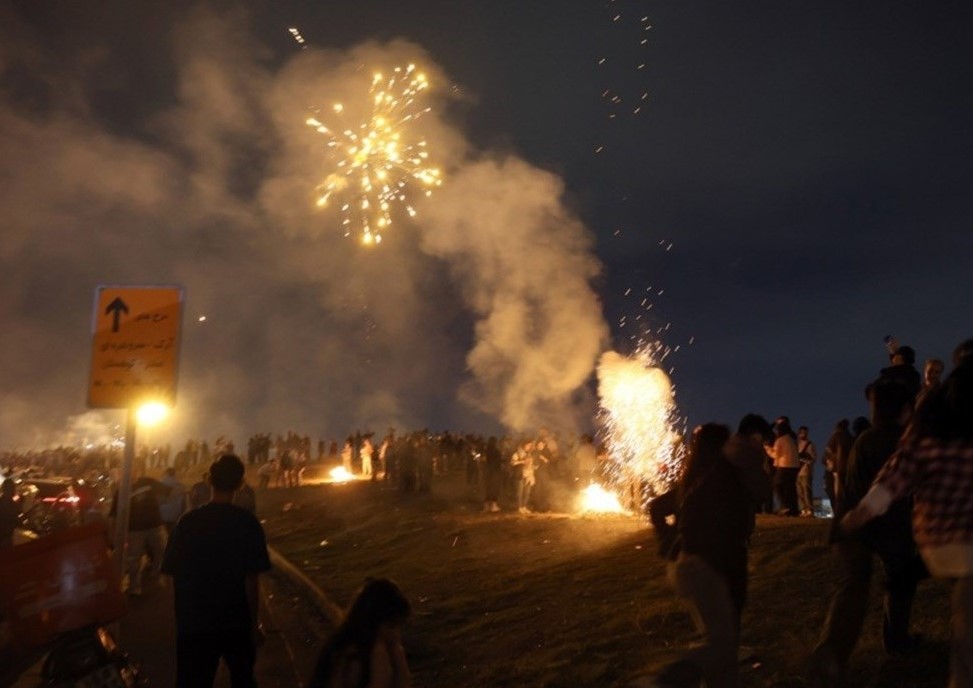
pixel 478 315
pixel 524 266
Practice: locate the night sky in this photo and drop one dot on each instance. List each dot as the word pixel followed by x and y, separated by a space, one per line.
pixel 795 185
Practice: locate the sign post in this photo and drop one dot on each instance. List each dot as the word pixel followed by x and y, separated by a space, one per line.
pixel 134 360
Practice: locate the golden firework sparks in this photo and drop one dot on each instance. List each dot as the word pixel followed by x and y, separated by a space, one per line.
pixel 379 163
pixel 638 416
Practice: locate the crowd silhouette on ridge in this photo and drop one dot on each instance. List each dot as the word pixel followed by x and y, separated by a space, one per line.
pixel 899 482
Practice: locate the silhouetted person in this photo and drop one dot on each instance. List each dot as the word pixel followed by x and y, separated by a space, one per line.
pixel 836 461
pixel 859 425
pixel 713 507
pixel 807 454
pixel 787 465
pixel 366 648
pixel 492 469
pixel 214 556
pixel 200 492
pixel 246 498
pixel 932 374
pixel 902 370
pixel 173 506
pixel 889 537
pixel 934 464
pixel 146 533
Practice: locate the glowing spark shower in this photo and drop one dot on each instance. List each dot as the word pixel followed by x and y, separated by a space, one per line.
pixel 638 415
pixel 379 161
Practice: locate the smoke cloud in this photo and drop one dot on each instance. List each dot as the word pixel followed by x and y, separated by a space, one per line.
pixel 523 265
pixel 477 315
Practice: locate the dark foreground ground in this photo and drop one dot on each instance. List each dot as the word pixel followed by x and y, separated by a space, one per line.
pixel 560 600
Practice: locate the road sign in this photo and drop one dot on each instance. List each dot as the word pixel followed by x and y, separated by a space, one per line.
pixel 135 345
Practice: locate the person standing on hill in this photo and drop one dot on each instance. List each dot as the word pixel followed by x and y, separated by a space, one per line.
pixel 836 461
pixel 903 368
pixel 932 374
pixel 286 469
pixel 173 506
pixel 807 455
pixel 713 506
pixel 265 473
pixel 199 493
pixel 934 464
pixel 425 463
pixel 889 537
pixel 367 449
pixel 492 468
pixel 347 455
pixel 214 556
pixel 786 466
pixel 524 463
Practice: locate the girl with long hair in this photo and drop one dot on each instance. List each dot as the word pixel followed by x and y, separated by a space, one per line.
pixel 365 651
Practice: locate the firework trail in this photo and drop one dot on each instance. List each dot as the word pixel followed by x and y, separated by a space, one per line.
pixel 298 38
pixel 379 162
pixel 638 416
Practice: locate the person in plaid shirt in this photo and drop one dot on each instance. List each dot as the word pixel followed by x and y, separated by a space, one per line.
pixel 934 463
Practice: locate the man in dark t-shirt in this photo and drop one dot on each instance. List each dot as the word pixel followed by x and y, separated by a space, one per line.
pixel 214 556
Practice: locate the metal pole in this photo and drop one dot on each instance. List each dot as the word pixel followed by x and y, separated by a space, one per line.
pixel 124 495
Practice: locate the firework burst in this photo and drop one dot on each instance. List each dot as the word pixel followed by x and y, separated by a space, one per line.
pixel 379 164
pixel 638 416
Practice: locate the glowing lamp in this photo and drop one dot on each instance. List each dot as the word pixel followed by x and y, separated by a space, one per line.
pixel 151 413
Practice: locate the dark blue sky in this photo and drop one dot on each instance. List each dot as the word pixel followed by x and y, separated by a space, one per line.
pixel 810 164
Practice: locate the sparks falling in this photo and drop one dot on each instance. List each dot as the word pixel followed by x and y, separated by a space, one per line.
pixel 378 163
pixel 638 417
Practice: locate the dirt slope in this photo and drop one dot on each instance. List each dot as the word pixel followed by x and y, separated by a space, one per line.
pixel 563 600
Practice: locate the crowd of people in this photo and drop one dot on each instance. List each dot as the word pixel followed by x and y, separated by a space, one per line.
pixel 525 472
pixel 901 490
pixel 898 482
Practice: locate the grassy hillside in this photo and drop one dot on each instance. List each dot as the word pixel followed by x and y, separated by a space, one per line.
pixel 562 600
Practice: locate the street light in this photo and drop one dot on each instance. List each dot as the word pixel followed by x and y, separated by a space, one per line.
pixel 151 413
